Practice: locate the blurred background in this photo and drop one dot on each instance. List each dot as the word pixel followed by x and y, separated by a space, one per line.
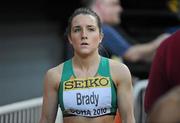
pixel 32 39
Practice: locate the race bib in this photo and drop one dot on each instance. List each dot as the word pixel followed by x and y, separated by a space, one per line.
pixel 87 97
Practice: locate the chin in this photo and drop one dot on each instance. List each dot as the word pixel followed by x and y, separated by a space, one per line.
pixel 115 22
pixel 85 53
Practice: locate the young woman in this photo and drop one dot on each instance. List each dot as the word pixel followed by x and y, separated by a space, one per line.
pixel 88 88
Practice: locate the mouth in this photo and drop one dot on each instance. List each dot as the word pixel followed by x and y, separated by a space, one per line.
pixel 84 43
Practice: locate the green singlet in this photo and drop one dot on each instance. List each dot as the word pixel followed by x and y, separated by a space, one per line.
pixel 88 97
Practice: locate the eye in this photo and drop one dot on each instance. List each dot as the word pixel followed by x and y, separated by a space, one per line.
pixel 91 29
pixel 76 30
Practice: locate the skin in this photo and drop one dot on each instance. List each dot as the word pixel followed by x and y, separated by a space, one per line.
pixel 110 11
pixel 85 64
pixel 166 109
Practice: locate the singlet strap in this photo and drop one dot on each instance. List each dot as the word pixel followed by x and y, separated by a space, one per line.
pixel 67 70
pixel 66 74
pixel 104 67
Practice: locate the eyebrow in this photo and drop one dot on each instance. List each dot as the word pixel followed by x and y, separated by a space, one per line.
pixel 80 26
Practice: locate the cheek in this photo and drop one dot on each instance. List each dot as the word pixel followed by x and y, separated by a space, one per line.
pixel 106 13
pixel 96 40
pixel 75 39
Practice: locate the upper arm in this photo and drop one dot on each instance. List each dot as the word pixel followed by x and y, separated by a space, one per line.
pixel 50 97
pixel 145 51
pixel 122 77
pixel 138 52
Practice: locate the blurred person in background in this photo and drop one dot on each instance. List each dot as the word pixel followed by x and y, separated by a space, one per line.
pixel 164 74
pixel 113 42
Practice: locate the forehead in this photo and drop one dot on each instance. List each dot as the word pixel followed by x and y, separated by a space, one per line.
pixel 84 19
pixel 111 1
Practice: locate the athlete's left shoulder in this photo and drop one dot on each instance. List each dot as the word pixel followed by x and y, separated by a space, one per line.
pixel 114 64
pixel 119 71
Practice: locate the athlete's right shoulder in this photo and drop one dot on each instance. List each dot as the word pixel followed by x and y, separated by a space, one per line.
pixel 56 71
pixel 53 75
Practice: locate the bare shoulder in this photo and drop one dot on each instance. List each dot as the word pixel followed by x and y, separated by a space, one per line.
pixel 53 76
pixel 119 72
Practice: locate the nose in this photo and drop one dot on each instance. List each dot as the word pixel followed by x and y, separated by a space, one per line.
pixel 83 34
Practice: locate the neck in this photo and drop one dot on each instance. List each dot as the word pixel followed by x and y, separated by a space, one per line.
pixel 86 62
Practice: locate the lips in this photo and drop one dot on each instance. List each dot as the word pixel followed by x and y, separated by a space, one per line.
pixel 84 43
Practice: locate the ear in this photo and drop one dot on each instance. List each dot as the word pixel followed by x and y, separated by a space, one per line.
pixel 101 37
pixel 69 38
